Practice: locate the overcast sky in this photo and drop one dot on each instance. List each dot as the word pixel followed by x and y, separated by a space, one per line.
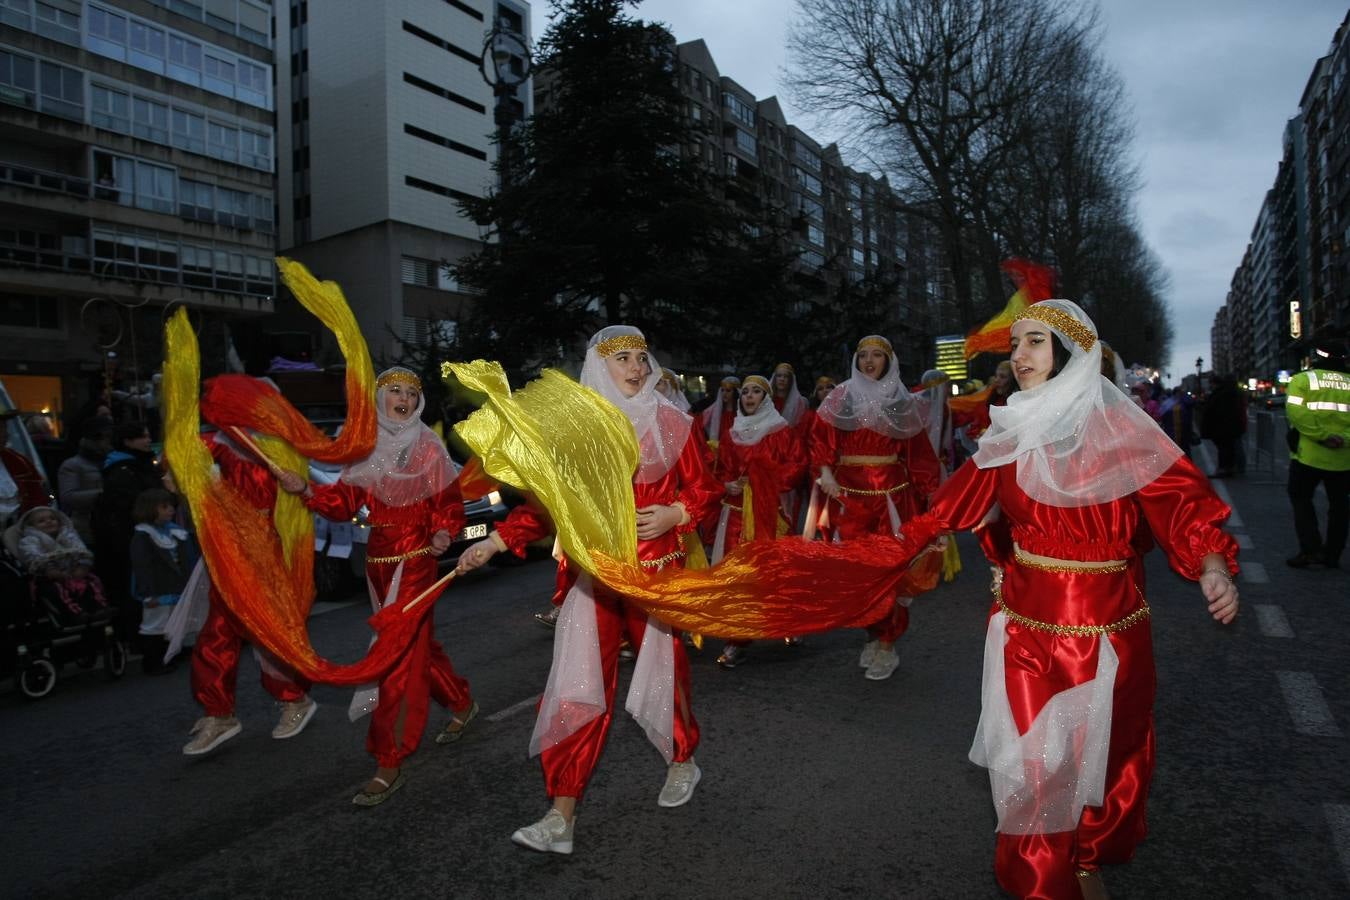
pixel 1212 83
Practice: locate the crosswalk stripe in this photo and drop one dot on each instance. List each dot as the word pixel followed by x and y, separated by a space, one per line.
pixel 1307 706
pixel 1272 620
pixel 1254 573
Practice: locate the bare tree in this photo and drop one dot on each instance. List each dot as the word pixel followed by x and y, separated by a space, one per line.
pixel 942 94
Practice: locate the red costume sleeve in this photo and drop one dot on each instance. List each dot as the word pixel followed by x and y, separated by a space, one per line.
pixel 958 505
pixel 1186 518
pixel 448 510
pixel 521 526
pixel 925 472
pixel 336 502
pixel 824 445
pixel 699 491
pixel 251 479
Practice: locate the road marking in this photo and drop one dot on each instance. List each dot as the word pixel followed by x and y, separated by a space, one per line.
pixel 1244 541
pixel 515 708
pixel 1272 620
pixel 1307 707
pixel 1338 817
pixel 327 606
pixel 1254 573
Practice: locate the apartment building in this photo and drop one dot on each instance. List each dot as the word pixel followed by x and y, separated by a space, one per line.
pixel 385 120
pixel 136 174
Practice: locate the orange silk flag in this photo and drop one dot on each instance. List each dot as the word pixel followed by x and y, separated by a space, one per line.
pixel 263 569
pixel 1034 283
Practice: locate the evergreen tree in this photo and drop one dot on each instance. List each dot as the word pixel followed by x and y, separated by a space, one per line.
pixel 602 218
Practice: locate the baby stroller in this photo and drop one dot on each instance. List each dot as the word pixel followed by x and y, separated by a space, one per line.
pixel 42 632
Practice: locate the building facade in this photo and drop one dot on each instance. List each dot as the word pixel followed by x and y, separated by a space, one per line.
pixel 137 151
pixel 385 120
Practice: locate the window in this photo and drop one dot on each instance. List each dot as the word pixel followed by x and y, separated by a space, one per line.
pixel 155 187
pixel 189 131
pixel 223 141
pixel 419 271
pixel 812 209
pixel 815 234
pixel 58 24
pixel 25 311
pixel 253 79
pixel 185 59
pixel 196 261
pixel 807 180
pixel 739 109
pixel 62 91
pixel 806 156
pixel 113 178
pixel 858 256
pixel 229 271
pixel 196 200
pixel 232 207
pixel 150 120
pixel 18 79
pixel 262 213
pixel 147 46
pixel 110 109
pixel 107 33
pixel 219 76
pixel 257 275
pixel 745 141
pixel 255 149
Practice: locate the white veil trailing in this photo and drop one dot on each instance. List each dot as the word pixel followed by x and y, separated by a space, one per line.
pixel 885 406
pixel 669 387
pixel 712 416
pixel 750 430
pixel 935 389
pixel 1077 439
pixel 660 427
pixel 794 404
pixel 409 463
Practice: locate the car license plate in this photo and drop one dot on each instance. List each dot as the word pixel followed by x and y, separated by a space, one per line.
pixel 474 531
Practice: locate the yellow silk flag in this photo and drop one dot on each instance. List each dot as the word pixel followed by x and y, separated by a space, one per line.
pixel 567 445
pixel 576 452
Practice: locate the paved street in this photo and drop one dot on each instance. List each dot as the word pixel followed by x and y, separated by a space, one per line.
pixel 816 782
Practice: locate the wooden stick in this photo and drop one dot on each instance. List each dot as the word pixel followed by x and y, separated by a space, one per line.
pixel 243 438
pixel 435 588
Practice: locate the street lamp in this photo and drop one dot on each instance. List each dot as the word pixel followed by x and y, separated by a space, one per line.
pixel 505 65
pixel 1199 377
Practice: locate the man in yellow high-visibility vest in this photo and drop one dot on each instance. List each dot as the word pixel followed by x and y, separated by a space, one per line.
pixel 1319 411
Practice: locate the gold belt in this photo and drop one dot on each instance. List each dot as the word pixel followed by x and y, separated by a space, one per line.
pixel 1057 630
pixel 425 551
pixel 864 492
pixel 869 460
pixel 661 560
pixel 1069 567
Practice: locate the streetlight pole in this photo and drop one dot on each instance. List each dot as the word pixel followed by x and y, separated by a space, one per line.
pixel 505 65
pixel 1199 376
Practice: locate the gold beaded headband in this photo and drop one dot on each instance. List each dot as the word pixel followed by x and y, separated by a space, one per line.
pixel 733 381
pixel 1061 321
pixel 620 343
pixel 824 379
pixel 880 343
pixel 787 366
pixel 759 380
pixel 398 376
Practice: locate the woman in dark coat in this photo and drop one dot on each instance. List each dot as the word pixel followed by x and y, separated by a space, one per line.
pixel 129 469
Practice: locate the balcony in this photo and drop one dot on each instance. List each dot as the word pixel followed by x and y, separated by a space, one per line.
pixel 42 180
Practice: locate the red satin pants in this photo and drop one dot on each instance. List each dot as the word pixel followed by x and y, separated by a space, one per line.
pixel 215 664
pixel 423 673
pixel 568 765
pixel 1039 665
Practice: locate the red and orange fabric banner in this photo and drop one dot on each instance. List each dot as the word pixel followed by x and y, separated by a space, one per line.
pixel 1034 283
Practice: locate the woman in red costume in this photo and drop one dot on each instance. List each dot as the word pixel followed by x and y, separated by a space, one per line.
pixel 876 471
pixel 673 490
pixel 409 486
pixel 215 657
pixel 1066 728
pixel 792 406
pixel 718 417
pixel 764 454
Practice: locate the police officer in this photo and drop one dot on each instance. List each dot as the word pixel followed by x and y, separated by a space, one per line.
pixel 1318 409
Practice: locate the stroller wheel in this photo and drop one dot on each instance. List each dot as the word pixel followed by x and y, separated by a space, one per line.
pixel 114 659
pixel 37 679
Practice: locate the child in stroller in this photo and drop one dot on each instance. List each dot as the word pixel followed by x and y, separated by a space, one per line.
pixel 64 613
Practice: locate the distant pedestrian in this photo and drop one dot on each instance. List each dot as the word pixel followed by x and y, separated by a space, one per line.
pixel 79 480
pixel 1222 423
pixel 1176 415
pixel 1319 422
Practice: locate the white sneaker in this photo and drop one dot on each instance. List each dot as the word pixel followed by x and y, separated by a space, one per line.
pixel 295 715
pixel 869 653
pixel 883 665
pixel 681 779
pixel 551 834
pixel 210 732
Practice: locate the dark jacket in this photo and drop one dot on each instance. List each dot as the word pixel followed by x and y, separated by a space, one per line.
pixel 155 570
